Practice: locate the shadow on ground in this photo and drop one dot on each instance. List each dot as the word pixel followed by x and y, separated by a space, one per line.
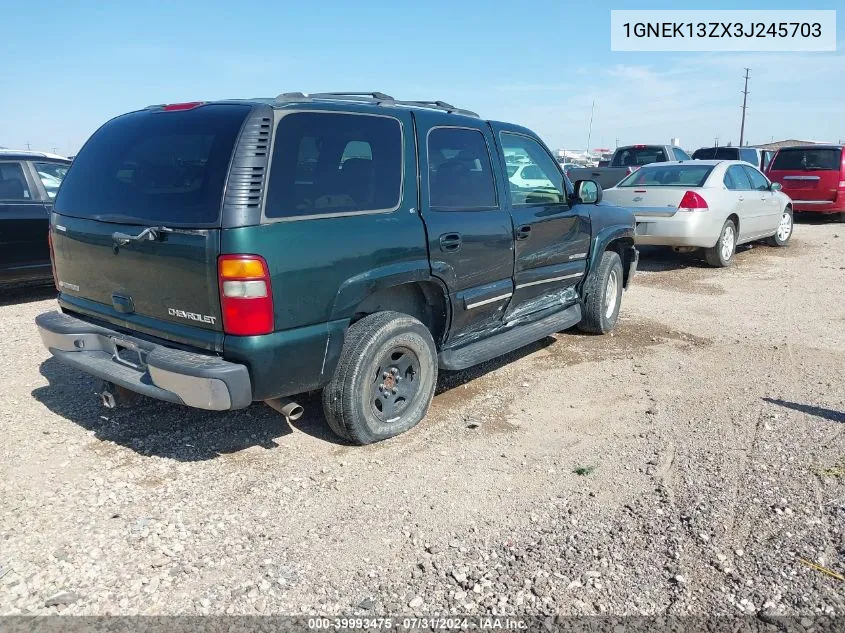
pixel 162 429
pixel 658 259
pixel 821 412
pixel 10 295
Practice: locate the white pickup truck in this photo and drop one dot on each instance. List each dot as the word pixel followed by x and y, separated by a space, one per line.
pixel 625 160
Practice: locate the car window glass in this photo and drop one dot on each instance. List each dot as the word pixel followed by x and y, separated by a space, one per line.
pixel 807 158
pixel 13 183
pixel 51 175
pixel 681 154
pixel 155 167
pixel 736 180
pixel 460 174
pixel 546 182
pixel 637 156
pixel 758 180
pixel 748 155
pixel 334 163
pixel 659 175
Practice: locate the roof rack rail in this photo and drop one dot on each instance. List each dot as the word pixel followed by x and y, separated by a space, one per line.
pixel 440 105
pixel 378 98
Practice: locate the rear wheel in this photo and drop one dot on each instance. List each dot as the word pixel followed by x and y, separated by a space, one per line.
pixel 784 232
pixel 603 295
pixel 385 379
pixel 722 253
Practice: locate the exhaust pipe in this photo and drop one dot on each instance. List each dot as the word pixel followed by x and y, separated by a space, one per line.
pixel 288 408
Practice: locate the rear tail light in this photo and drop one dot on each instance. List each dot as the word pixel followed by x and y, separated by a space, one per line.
pixel 53 259
pixel 246 297
pixel 692 202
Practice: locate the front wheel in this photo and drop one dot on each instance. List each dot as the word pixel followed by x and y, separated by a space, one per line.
pixel 384 380
pixel 722 253
pixel 603 295
pixel 784 232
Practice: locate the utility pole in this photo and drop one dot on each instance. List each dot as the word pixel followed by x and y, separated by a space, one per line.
pixel 27 145
pixel 617 142
pixel 54 149
pixel 716 141
pixel 744 102
pixel 590 132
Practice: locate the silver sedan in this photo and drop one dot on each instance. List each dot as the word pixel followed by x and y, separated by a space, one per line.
pixel 709 204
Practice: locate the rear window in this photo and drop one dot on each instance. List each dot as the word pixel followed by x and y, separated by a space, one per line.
pixel 636 156
pixel 716 153
pixel 327 163
pixel 668 176
pixel 807 159
pixel 154 167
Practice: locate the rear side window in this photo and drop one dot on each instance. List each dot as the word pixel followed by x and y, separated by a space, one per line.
pixel 13 183
pixel 808 159
pixel 680 154
pixel 691 175
pixel 736 179
pixel 460 175
pixel 327 163
pixel 51 175
pixel 636 156
pixel 155 167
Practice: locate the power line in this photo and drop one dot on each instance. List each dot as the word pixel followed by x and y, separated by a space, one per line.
pixel 744 105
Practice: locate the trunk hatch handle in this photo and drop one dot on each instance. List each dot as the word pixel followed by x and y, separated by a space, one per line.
pixel 151 233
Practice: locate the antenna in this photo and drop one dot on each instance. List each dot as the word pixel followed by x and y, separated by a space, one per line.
pixel 744 102
pixel 590 132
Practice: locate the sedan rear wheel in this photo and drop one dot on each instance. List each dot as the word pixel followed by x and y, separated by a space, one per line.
pixel 722 253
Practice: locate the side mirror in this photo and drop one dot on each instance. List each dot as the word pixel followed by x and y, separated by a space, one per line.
pixel 588 191
pixel 776 186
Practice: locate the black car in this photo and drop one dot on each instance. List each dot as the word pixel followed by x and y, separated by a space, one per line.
pixel 29 182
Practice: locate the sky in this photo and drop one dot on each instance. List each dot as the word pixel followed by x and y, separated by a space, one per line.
pixel 71 65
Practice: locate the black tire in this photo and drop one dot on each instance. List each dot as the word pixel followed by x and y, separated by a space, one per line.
pixel 359 402
pixel 777 239
pixel 715 256
pixel 602 296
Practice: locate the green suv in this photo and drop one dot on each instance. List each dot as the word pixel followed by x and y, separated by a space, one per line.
pixel 216 254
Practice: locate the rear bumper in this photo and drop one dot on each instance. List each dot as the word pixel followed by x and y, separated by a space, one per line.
pixel 819 206
pixel 685 228
pixel 197 380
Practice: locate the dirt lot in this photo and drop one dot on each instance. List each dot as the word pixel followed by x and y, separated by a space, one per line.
pixel 686 464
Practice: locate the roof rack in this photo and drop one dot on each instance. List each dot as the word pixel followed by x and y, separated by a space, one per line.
pixel 377 98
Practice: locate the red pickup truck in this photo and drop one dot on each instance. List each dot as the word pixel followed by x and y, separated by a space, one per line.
pixel 813 176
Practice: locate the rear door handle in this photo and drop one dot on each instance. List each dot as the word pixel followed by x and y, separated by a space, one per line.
pixel 450 242
pixel 523 232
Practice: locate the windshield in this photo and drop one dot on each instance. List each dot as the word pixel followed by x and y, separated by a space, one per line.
pixel 716 153
pixel 639 155
pixel 807 158
pixel 668 176
pixel 155 167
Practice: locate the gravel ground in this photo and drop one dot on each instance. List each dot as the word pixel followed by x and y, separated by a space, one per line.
pixel 687 464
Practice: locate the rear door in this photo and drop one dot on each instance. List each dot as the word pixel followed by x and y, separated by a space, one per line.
pixel 24 221
pixel 809 175
pixel 470 235
pixel 552 237
pixel 741 196
pixel 136 223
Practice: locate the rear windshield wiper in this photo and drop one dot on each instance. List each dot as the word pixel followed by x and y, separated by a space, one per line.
pixel 151 233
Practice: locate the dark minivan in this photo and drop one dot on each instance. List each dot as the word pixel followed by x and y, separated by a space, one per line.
pixel 217 254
